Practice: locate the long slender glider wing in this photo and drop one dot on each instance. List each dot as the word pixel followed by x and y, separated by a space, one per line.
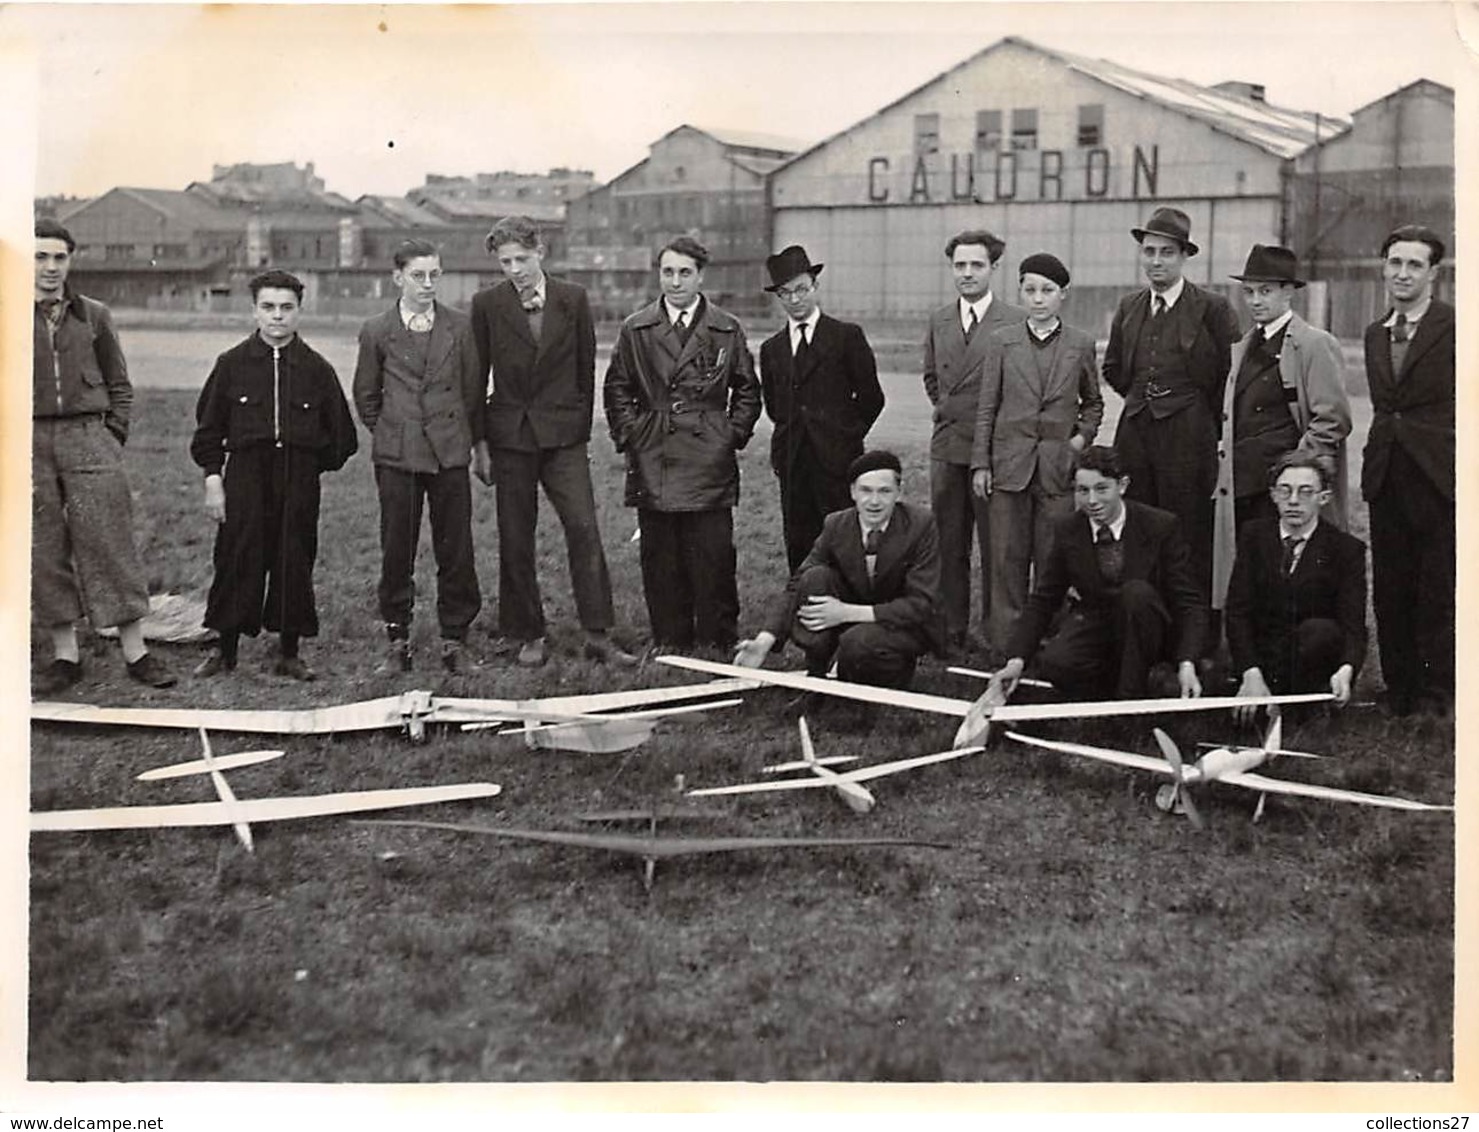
pixel 1329 793
pixel 651 848
pixel 878 770
pixel 255 809
pixel 454 710
pixel 862 774
pixel 868 693
pixel 198 766
pixel 764 787
pixel 1102 754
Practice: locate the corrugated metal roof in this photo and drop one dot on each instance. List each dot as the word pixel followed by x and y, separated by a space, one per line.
pixel 551 211
pixel 758 165
pixel 398 212
pixel 187 208
pixel 751 139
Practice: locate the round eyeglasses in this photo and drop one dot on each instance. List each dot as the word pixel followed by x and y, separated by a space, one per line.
pixel 791 294
pixel 1304 492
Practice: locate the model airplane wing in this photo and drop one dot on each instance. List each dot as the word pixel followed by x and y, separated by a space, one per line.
pixel 255 809
pixel 868 693
pixel 862 774
pixel 1329 793
pixel 878 770
pixel 1102 754
pixel 199 766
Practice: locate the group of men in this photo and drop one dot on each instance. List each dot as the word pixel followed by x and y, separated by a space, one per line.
pixel 1222 498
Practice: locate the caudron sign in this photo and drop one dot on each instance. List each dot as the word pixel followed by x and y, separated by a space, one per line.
pixel 1009 175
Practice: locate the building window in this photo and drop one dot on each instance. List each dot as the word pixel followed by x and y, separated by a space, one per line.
pixel 988 131
pixel 118 251
pixel 926 133
pixel 1024 129
pixel 169 251
pixel 679 173
pixel 1091 125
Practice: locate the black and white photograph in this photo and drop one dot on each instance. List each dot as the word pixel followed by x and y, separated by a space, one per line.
pixel 713 545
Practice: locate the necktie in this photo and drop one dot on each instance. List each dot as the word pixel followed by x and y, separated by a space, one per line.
pixel 801 347
pixel 1291 549
pixel 971 324
pixel 1158 307
pixel 1401 329
pixel 532 302
pixel 1257 341
pixel 1111 555
pixel 872 540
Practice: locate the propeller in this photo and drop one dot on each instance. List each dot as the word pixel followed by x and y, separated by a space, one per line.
pixel 1178 793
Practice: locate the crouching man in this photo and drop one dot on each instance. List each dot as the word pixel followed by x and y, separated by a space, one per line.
pixel 868 593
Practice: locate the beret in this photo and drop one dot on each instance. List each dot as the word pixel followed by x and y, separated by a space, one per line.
pixel 1048 266
pixel 875 461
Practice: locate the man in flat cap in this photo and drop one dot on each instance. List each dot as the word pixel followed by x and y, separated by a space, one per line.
pixel 867 593
pixel 1169 350
pixel 820 384
pixel 1285 392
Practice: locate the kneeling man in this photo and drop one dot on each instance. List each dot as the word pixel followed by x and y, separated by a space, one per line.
pixel 1133 601
pixel 868 591
pixel 1296 604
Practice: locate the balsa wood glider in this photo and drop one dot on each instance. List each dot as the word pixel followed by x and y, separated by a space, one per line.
pixel 978 715
pixel 848 785
pixel 1222 764
pixel 650 850
pixel 412 711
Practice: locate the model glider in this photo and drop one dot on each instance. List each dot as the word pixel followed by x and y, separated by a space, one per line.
pixel 650 850
pixel 848 785
pixel 594 734
pixel 411 711
pixel 1222 764
pixel 978 715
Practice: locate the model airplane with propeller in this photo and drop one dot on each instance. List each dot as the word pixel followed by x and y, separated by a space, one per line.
pixel 1232 765
pixel 977 715
pixel 848 784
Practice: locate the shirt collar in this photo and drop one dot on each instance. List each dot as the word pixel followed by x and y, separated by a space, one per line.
pixel 430 313
pixel 1052 330
pixel 863 527
pixel 980 306
pixel 1285 532
pixel 673 312
pixel 1116 528
pixel 1278 324
pixel 810 322
pixel 1414 316
pixel 1172 294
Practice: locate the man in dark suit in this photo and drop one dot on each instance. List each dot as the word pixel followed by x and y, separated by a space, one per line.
pixel 1296 604
pixel 954 346
pixel 536 339
pixel 1134 602
pixel 1407 475
pixel 868 591
pixel 820 384
pixel 1169 349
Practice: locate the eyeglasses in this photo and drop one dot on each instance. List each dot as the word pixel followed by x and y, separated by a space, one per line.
pixel 423 276
pixel 790 294
pixel 1304 492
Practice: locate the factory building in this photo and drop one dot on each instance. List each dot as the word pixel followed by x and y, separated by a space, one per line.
pixel 1053 152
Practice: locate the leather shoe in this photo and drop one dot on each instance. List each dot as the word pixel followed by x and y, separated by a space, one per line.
pixel 532 653
pixel 599 646
pixel 397 659
pixel 149 669
pixel 214 665
pixel 56 677
pixel 293 666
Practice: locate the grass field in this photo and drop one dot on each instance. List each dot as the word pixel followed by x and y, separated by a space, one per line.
pixel 1072 932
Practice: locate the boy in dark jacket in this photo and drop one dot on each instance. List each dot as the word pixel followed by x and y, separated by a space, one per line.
pixel 272 417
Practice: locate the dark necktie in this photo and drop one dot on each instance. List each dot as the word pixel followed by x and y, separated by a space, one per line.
pixel 1111 555
pixel 1401 329
pixel 971 324
pixel 1256 342
pixel 872 540
pixel 1158 307
pixel 1291 549
pixel 680 324
pixel 801 349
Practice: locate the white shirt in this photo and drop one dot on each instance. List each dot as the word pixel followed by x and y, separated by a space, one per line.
pixel 1304 539
pixel 687 312
pixel 1414 316
pixel 1169 296
pixel 1278 324
pixel 980 306
pixel 538 291
pixel 1042 335
pixel 811 329
pixel 1116 528
pixel 427 317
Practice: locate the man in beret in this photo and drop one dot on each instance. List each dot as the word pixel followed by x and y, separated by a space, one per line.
pixel 1039 406
pixel 820 384
pixel 1285 393
pixel 1169 350
pixel 868 591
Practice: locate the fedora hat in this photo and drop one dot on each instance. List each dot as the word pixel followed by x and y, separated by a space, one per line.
pixel 1269 263
pixel 788 263
pixel 1171 223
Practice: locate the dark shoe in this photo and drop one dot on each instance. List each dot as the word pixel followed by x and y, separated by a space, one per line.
pixel 293 666
pixel 397 659
pixel 148 669
pixel 214 665
pixel 454 657
pixel 56 677
pixel 532 653
pixel 599 646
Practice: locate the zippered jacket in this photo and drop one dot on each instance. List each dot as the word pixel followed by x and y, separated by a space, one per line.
pixel 83 372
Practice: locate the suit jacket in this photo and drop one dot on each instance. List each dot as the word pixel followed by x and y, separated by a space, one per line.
pixel 952 374
pixel 1264 606
pixel 1310 364
pixel 1023 423
pixel 680 410
pixel 831 403
pixel 904 591
pixel 543 393
pixel 1414 408
pixel 1155 552
pixel 1210 328
pixel 397 399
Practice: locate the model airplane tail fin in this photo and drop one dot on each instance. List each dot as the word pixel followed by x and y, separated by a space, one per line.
pixel 1274 740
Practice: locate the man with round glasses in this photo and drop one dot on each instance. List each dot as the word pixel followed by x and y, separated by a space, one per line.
pixel 1296 604
pixel 819 380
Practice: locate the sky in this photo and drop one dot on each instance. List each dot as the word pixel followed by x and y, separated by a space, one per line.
pixel 379 96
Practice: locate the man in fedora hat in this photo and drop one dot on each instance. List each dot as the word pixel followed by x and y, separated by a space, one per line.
pixel 1285 392
pixel 1168 355
pixel 820 384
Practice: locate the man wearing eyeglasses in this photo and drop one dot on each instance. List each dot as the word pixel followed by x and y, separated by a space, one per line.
pixel 819 380
pixel 1407 474
pixel 1296 604
pixel 418 388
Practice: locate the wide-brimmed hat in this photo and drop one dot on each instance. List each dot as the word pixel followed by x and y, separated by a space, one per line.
pixel 1169 222
pixel 788 263
pixel 1269 263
